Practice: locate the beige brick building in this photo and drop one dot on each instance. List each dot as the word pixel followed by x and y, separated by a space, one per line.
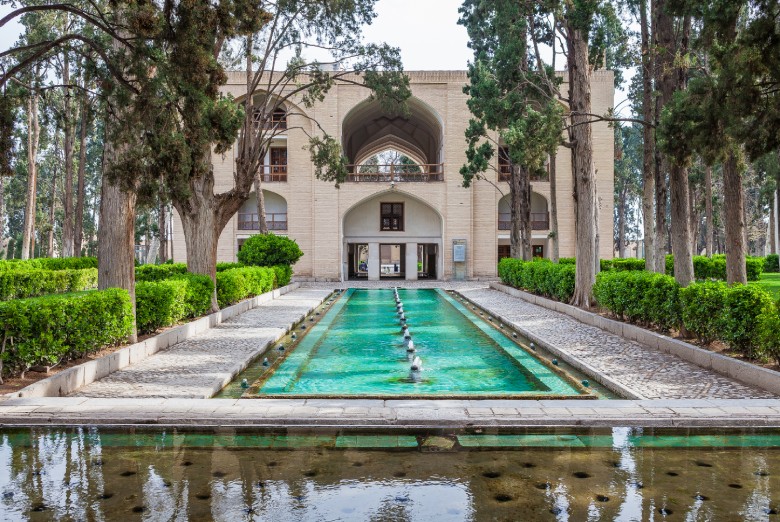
pixel 386 219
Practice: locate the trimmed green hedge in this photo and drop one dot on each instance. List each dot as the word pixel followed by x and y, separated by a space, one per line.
pixel 49 263
pixel 159 272
pixel 221 267
pixel 269 250
pixel 20 284
pixel 709 310
pixel 639 296
pixel 768 331
pixel 164 303
pixel 50 329
pixel 715 267
pixel 772 263
pixel 283 275
pixel 540 276
pixel 238 284
pixel 627 264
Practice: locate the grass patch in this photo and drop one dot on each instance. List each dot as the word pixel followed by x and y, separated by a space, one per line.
pixel 771 283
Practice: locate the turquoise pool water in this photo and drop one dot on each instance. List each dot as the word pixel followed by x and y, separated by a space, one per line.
pixel 232 475
pixel 358 349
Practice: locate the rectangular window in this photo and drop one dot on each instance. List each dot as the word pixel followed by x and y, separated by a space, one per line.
pixel 392 216
pixel 504 165
pixel 278 160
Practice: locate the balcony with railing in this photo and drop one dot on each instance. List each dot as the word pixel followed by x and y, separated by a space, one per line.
pixel 273 173
pixel 414 173
pixel 539 221
pixel 505 173
pixel 274 221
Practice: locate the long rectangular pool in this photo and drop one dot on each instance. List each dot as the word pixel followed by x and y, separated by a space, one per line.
pixel 359 349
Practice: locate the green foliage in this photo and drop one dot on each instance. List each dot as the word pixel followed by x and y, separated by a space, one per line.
pixel 283 275
pixel 540 276
pixel 161 303
pixel 49 263
pixel 768 331
pixel 772 263
pixel 627 264
pixel 159 272
pixel 221 267
pixel 47 330
pixel 702 307
pixel 240 283
pixel 742 307
pixel 639 296
pixel 567 261
pixel 158 304
pixel 715 267
pixel 18 284
pixel 269 250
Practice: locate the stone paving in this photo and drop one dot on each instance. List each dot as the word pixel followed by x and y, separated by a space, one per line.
pixel 389 414
pixel 201 366
pixel 647 373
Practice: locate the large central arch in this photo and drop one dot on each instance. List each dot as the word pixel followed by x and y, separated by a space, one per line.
pixel 375 248
pixel 419 132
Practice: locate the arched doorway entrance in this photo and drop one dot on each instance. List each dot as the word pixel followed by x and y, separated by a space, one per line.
pixel 392 235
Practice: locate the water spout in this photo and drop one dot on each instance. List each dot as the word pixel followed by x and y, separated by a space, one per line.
pixel 410 346
pixel 416 369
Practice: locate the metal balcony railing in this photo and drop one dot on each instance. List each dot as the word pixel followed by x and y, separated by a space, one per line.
pixel 251 221
pixel 417 172
pixel 539 221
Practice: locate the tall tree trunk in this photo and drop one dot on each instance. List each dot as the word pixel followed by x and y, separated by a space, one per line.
pixel 664 46
pixel 621 239
pixel 520 213
pixel 52 205
pixel 260 197
pixel 116 235
pixel 78 234
pixel 581 136
pixel 648 149
pixel 3 253
pixel 733 193
pixel 772 226
pixel 162 225
pixel 695 219
pixel 67 145
pixel 555 254
pixel 710 232
pixel 33 135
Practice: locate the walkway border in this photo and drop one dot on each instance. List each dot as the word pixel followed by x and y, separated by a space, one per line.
pixel 67 381
pixel 738 370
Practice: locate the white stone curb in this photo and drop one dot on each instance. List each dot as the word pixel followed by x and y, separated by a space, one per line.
pixel 70 380
pixel 734 368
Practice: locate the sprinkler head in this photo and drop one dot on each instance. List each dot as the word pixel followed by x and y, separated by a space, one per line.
pixel 407 335
pixel 265 362
pixel 244 384
pixel 555 362
pixel 533 346
pixel 585 382
pixel 280 347
pixel 294 336
pixel 514 335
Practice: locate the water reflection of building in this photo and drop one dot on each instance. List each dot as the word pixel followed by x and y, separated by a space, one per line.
pixel 403 202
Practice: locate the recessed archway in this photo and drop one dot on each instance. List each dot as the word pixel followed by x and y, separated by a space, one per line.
pixel 275 213
pixel 392 234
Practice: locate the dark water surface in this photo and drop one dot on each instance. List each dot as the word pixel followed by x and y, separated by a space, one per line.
pixel 620 474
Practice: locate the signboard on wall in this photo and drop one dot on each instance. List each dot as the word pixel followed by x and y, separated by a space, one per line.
pixel 458 250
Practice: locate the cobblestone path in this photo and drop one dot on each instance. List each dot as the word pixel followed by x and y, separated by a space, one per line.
pixel 648 373
pixel 199 367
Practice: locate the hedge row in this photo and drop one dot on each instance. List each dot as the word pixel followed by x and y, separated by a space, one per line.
pixel 163 303
pixel 159 272
pixel 20 284
pixel 772 263
pixel 49 263
pixel 238 284
pixel 743 316
pixel 50 329
pixel 715 267
pixel 541 276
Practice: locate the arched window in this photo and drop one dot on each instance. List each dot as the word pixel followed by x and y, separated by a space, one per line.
pixel 277 120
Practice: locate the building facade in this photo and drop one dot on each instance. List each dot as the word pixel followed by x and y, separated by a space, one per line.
pixel 403 211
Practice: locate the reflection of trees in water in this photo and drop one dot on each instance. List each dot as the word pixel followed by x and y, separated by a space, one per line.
pixel 388 160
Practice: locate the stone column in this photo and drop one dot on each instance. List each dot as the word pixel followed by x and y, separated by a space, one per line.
pixel 373 261
pixel 411 261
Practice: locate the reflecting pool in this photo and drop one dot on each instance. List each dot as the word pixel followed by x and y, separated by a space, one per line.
pixel 361 348
pixel 618 474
